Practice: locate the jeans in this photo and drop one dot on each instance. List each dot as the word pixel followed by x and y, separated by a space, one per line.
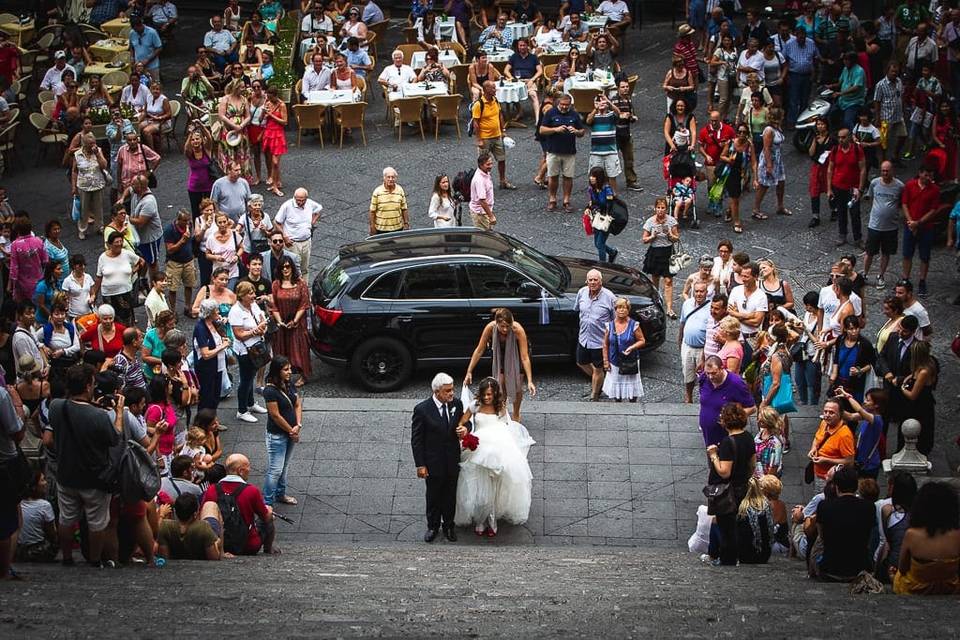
pixel 798 94
pixel 279 451
pixel 195 198
pixel 221 61
pixel 840 205
pixel 850 114
pixel 600 242
pixel 245 388
pixel 806 377
pixel 209 378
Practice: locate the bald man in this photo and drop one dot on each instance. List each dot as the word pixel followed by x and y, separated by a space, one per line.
pixel 258 517
pixel 297 218
pixel 595 304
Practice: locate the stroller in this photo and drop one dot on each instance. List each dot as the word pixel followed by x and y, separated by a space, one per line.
pixel 678 166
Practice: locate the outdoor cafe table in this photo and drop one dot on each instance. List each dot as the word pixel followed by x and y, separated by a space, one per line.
pixel 520 29
pixel 448 27
pixel 423 89
pixel 596 21
pixel 108 49
pixel 448 58
pixel 601 81
pixel 101 68
pixel 330 98
pixel 116 26
pixel 498 54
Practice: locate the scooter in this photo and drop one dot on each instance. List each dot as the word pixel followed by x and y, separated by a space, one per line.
pixel 806 122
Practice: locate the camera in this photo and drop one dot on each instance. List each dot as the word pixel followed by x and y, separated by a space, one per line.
pixel 105 387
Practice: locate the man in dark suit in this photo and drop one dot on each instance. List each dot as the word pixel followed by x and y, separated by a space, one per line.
pixel 435 438
pixel 893 364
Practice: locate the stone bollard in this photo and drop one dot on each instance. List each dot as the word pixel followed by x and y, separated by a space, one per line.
pixel 908 459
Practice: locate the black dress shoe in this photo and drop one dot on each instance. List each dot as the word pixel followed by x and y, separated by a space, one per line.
pixel 430 535
pixel 450 534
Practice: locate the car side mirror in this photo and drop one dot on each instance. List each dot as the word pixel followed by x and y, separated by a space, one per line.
pixel 529 291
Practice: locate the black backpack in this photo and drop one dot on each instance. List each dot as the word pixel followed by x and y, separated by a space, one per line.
pixel 461 185
pixel 235 528
pixel 621 215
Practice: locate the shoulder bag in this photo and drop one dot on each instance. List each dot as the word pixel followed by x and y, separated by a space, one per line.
pixel 720 498
pixel 808 472
pixel 259 352
pixel 629 363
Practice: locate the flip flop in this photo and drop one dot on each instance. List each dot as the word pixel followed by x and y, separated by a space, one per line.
pixel 567 207
pixel 756 215
pixel 737 228
pixel 784 212
pixel 508 186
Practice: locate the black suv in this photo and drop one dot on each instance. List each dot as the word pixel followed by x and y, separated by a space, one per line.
pixel 422 297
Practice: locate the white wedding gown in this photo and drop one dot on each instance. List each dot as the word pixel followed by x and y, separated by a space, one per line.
pixel 495 479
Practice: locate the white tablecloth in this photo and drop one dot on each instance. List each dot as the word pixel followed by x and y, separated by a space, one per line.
pixel 596 21
pixel 448 58
pixel 417 89
pixel 448 28
pixel 520 29
pixel 510 92
pixel 579 81
pixel 499 55
pixel 330 98
pixel 563 47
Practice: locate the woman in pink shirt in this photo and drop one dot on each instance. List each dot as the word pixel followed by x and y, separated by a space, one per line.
pixel 161 417
pixel 27 259
pixel 731 353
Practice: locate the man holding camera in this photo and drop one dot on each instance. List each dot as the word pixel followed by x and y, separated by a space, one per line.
pixel 83 436
pixel 603 138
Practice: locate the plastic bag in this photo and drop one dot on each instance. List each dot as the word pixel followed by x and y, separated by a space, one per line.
pixel 699 542
pixel 75 211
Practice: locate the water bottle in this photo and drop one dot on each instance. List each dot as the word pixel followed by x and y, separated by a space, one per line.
pixel 160 561
pixel 589 73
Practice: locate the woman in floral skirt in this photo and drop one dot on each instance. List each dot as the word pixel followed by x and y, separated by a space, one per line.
pixel 234 113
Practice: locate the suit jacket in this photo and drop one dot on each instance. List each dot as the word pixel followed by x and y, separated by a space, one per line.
pixel 435 445
pixel 889 359
pixel 268 262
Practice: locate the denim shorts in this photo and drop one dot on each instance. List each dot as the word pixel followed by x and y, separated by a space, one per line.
pixel 921 241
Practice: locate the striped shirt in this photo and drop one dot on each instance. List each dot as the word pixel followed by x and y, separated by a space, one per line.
pixel 800 59
pixel 603 134
pixel 388 208
pixel 890 96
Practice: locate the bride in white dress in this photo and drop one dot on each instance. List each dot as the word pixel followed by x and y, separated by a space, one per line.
pixel 495 479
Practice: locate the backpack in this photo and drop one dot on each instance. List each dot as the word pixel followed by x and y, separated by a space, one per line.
pixel 621 216
pixel 472 124
pixel 132 472
pixel 461 185
pixel 235 528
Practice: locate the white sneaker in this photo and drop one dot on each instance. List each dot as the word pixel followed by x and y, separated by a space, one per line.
pixel 880 283
pixel 256 408
pixel 246 417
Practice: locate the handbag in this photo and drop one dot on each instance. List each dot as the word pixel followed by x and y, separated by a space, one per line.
pixel 808 472
pixel 629 364
pixel 679 259
pixel 720 498
pixel 587 224
pixel 601 221
pixel 256 246
pixel 214 169
pixel 259 354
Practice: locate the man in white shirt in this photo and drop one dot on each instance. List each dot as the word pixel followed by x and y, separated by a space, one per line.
pixel 828 302
pixel 220 44
pixel 912 306
pixel 395 75
pixel 296 219
pixel 51 79
pixel 748 304
pixel 316 77
pixel 316 24
pixel 617 11
pixel 750 61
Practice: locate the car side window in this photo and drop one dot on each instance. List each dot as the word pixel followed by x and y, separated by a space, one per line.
pixel 493 281
pixel 385 288
pixel 430 282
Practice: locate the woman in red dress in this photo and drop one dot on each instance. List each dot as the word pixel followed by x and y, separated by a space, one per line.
pixel 258 101
pixel 945 137
pixel 291 301
pixel 274 141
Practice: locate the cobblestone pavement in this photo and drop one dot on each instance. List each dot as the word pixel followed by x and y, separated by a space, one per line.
pixel 623 475
pixel 456 591
pixel 341 180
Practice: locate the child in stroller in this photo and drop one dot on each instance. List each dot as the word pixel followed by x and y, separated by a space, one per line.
pixel 680 172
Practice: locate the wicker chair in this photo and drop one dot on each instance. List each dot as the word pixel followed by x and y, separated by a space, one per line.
pixel 350 116
pixel 447 109
pixel 310 116
pixel 408 110
pixel 583 100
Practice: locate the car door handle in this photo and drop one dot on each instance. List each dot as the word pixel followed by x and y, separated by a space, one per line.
pixel 404 318
pixel 484 316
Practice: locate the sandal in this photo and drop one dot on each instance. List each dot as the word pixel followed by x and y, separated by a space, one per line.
pixel 275 191
pixel 784 212
pixel 756 215
pixel 552 206
pixel 539 184
pixel 671 315
pixel 567 207
pixel 737 228
pixel 508 186
pixel 190 314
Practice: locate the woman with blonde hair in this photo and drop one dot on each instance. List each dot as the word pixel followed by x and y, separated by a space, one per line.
pixel 510 349
pixel 772 487
pixel 768 444
pixel 622 338
pixel 731 351
pixel 778 291
pixel 755 526
pixel 233 115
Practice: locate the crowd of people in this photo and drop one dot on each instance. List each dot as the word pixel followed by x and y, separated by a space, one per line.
pixel 81 367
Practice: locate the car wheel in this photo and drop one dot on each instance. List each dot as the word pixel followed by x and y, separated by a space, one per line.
pixel 382 364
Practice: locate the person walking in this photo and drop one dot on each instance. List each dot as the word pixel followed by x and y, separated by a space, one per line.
pixel 488 127
pixel 601 196
pixel 210 344
pixel 769 171
pixel 623 101
pixel 481 194
pixel 388 205
pixel 660 231
pixel 297 218
pixel 921 205
pixel 284 426
pixel 508 345
pixel 88 181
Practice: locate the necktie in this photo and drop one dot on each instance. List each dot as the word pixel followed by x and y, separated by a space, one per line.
pixel 446 415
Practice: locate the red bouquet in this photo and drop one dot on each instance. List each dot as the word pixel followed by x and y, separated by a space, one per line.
pixel 469 441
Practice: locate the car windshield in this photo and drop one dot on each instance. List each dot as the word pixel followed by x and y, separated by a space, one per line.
pixel 333 279
pixel 545 269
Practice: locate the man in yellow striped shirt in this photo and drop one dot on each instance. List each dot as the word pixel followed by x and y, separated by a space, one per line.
pixel 388 205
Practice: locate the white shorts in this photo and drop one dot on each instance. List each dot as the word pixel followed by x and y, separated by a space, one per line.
pixel 689 359
pixel 609 161
pixel 561 165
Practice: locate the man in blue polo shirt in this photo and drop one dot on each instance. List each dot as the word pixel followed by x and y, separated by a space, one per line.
pixel 145 45
pixel 693 334
pixel 524 65
pixel 561 127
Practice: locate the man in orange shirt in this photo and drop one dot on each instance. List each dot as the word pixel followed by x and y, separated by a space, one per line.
pixel 833 444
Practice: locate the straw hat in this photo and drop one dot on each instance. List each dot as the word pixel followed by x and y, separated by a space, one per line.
pixel 27 364
pixel 234 138
pixel 685 30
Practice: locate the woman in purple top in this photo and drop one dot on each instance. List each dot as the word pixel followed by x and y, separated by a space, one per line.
pixel 718 387
pixel 27 258
pixel 199 152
